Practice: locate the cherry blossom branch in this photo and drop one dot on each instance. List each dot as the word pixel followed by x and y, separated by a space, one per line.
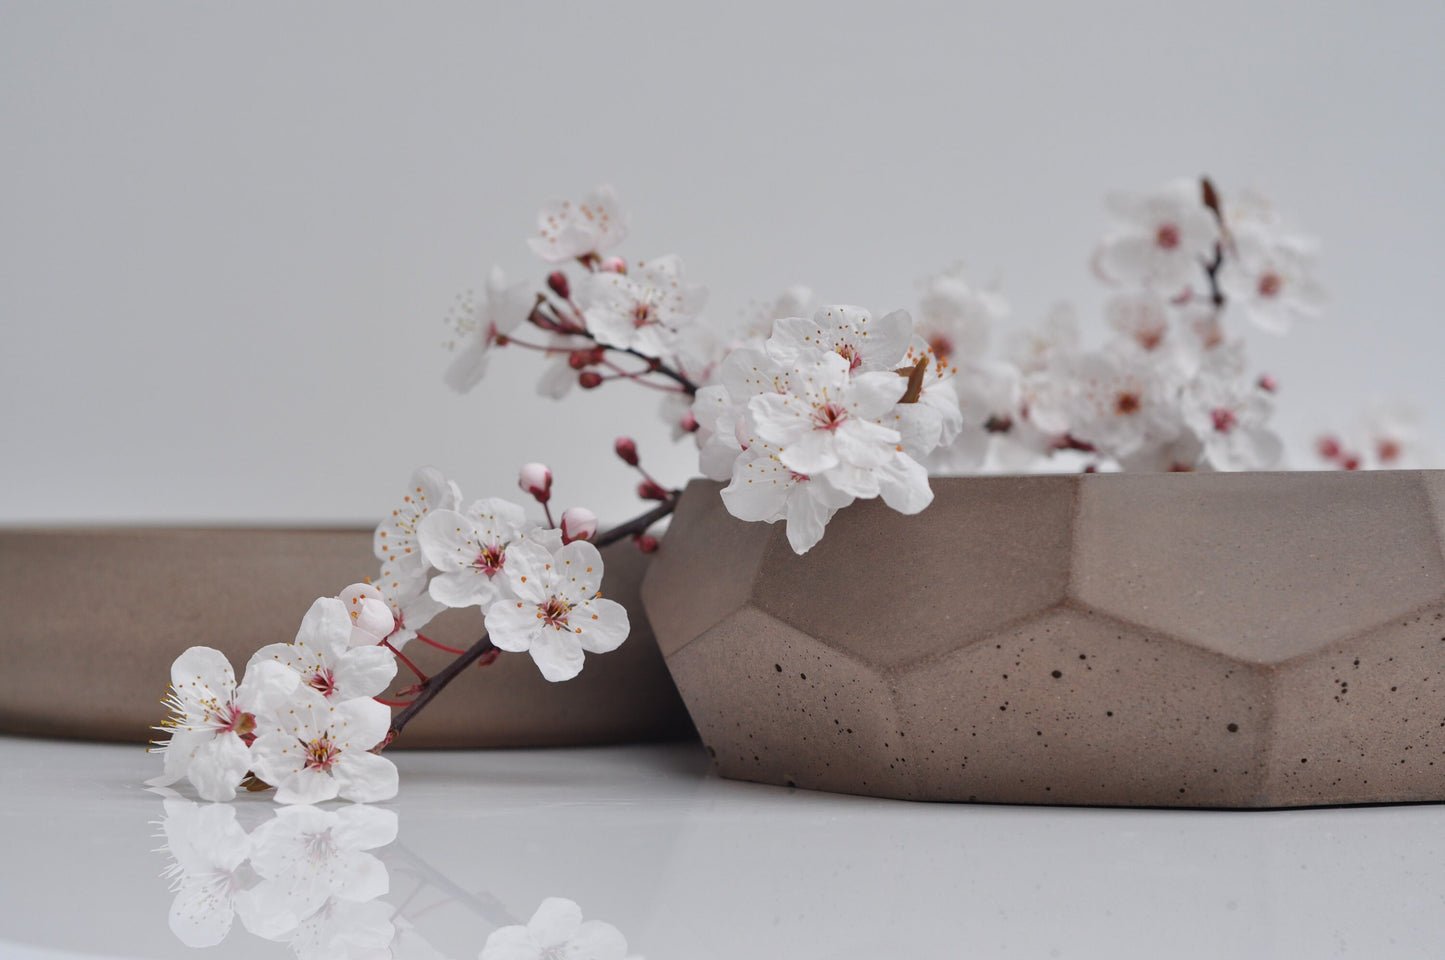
pixel 557 324
pixel 483 652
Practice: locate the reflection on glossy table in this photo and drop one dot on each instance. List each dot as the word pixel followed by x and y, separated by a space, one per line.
pixel 687 865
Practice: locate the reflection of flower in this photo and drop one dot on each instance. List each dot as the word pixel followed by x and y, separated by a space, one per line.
pixel 209 849
pixel 557 932
pixel 306 856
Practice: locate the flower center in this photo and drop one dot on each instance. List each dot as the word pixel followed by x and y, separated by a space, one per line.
pixel 829 416
pixel 232 719
pixel 321 753
pixel 1149 337
pixel 1127 403
pixel 554 613
pixel 1224 419
pixel 323 680
pixel 490 560
pixel 1270 285
pixel 643 313
pixel 850 353
pixel 1167 236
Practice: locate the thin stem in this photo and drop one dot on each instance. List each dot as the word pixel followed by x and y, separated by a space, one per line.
pixel 440 646
pixel 392 703
pixel 434 685
pixel 548 511
pixel 403 658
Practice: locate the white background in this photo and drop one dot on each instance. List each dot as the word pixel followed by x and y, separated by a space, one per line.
pixel 228 232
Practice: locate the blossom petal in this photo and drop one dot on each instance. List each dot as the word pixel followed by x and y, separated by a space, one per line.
pixel 578 567
pixel 217 766
pixel 512 625
pixel 306 785
pixel 557 653
pixel 365 777
pixel 603 623
pixel 364 672
pixel 326 626
pixel 527 570
pixel 556 921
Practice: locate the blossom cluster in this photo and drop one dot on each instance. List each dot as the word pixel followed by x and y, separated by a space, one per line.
pixel 802 411
pixel 308 717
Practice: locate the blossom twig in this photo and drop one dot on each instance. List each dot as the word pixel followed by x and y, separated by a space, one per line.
pixel 484 647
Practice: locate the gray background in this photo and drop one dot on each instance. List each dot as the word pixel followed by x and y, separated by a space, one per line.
pixel 228 232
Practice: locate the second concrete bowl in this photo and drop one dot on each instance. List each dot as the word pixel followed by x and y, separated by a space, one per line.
pixel 1203 640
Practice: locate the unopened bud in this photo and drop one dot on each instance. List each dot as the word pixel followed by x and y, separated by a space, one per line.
pixel 589 379
pixel 578 523
pixel 557 283
pixel 579 359
pixel 614 265
pixel 536 479
pixel 1268 384
pixel 626 449
pixel 646 542
pixel 689 422
pixel 1328 448
pixel 649 490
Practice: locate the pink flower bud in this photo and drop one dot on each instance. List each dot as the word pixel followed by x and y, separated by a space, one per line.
pixel 371 618
pixel 614 265
pixel 579 359
pixel 626 449
pixel 536 479
pixel 1328 448
pixel 589 380
pixel 646 542
pixel 1268 384
pixel 578 523
pixel 557 283
pixel 689 422
pixel 648 490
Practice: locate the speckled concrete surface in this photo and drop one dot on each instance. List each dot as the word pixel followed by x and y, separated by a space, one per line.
pixel 1210 640
pixel 93 618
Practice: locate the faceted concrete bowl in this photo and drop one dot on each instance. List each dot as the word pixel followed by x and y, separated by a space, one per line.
pixel 1201 640
pixel 93 618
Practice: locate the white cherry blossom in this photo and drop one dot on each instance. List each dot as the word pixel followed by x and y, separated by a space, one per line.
pixel 934 417
pixel 957 319
pixel 480 323
pixel 1230 417
pixel 720 409
pixel 574 231
pixel 316 749
pixel 556 932
pixel 763 490
pixel 1268 280
pixel 555 610
pixel 1163 238
pixel 322 655
pixel 829 423
pixel 470 550
pixel 211 716
pixel 394 542
pixel 643 310
pixel 1116 403
pixel 851 332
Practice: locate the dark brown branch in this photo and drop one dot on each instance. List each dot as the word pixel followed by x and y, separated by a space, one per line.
pixel 484 648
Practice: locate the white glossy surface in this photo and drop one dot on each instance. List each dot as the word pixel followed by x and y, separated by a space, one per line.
pixel 687 865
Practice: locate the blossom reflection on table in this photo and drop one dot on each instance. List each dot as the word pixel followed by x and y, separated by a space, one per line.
pixel 307 877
